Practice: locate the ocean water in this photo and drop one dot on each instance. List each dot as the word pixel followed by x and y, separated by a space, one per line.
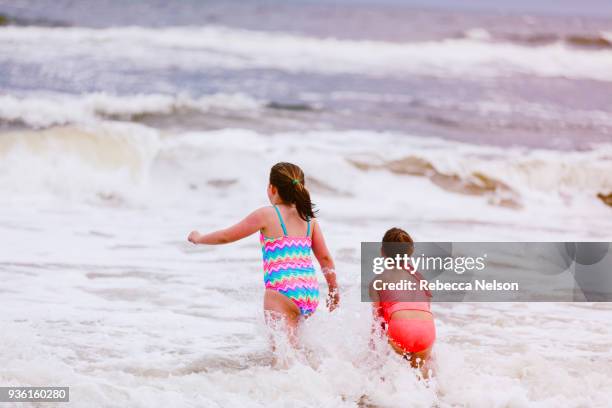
pixel 124 127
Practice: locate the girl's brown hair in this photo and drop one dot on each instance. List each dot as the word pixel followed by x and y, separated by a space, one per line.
pixel 397 242
pixel 289 181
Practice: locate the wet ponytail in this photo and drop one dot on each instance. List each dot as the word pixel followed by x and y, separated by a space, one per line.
pixel 289 181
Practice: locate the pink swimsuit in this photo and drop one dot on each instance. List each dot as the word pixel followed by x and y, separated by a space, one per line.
pixel 411 335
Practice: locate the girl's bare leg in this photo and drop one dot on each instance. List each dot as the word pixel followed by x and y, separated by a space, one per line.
pixel 417 360
pixel 279 310
pixel 421 361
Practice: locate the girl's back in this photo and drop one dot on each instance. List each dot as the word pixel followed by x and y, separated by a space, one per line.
pixel 294 224
pixel 397 304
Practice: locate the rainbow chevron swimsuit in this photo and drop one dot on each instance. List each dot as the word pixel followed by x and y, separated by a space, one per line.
pixel 288 268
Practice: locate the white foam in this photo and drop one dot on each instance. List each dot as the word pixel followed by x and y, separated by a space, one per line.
pixel 478 34
pixel 117 160
pixel 160 323
pixel 113 302
pixel 197 48
pixel 109 160
pixel 46 109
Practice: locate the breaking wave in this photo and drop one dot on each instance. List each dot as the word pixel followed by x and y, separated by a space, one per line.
pixel 595 41
pixel 110 160
pixel 61 109
pixel 216 47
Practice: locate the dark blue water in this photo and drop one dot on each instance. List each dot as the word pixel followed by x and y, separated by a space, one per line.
pixel 343 18
pixel 591 8
pixel 417 103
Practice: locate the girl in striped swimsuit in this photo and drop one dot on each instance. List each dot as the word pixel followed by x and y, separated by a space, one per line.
pixel 289 234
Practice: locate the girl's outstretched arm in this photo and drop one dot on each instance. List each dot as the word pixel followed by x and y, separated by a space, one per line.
pixel 327 265
pixel 251 224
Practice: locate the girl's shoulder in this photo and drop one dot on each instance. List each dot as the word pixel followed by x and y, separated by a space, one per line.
pixel 265 212
pixel 269 213
pixel 313 222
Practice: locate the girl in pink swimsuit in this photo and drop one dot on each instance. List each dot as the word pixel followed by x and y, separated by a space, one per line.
pixel 406 315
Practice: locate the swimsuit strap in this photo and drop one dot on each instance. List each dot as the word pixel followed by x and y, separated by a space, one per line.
pixel 282 223
pixel 308 228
